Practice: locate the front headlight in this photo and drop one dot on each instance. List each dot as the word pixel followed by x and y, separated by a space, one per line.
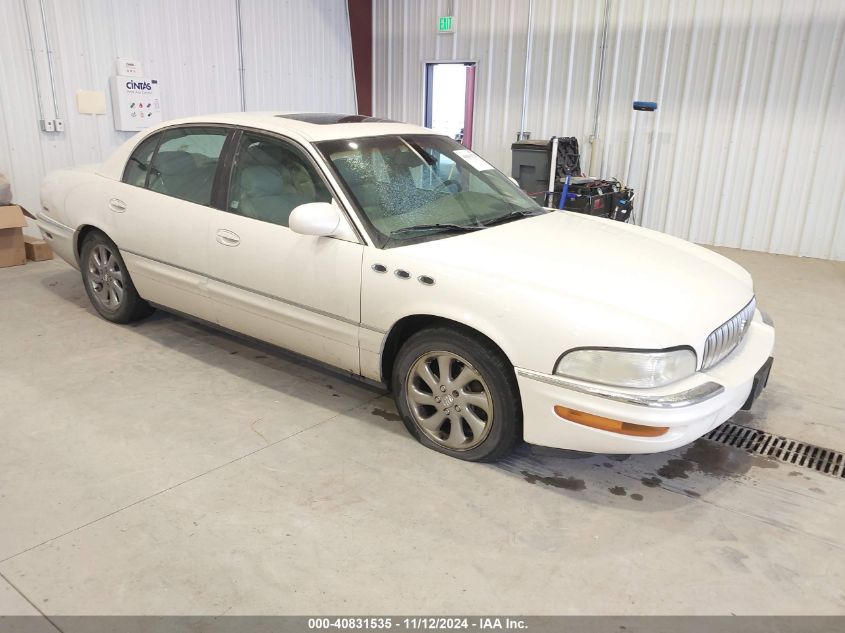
pixel 628 368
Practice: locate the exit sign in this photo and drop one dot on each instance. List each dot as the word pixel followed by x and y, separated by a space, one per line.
pixel 446 24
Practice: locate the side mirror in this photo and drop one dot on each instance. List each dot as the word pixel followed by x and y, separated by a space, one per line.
pixel 316 218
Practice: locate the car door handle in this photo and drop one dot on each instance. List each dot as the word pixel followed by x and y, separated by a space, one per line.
pixel 227 238
pixel 117 205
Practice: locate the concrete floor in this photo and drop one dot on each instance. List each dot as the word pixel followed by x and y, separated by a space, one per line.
pixel 167 468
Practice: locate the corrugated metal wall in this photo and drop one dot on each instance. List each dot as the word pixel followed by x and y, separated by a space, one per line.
pixel 743 150
pixel 297 56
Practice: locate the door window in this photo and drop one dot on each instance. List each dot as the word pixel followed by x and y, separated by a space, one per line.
pixel 185 163
pixel 271 178
pixel 138 165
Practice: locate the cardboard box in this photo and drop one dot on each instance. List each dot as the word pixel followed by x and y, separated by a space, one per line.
pixel 12 251
pixel 37 250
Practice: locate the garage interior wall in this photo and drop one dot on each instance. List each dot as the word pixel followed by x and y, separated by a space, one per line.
pixel 743 150
pixel 296 56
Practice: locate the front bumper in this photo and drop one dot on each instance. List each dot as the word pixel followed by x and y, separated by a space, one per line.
pixel 690 408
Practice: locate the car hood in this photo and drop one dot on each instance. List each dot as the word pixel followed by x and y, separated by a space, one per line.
pixel 630 269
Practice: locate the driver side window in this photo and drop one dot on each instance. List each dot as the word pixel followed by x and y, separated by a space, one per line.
pixel 270 178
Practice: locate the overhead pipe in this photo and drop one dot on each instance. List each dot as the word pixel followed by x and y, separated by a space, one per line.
pixel 595 135
pixel 634 121
pixel 550 194
pixel 240 54
pixel 661 86
pixel 34 59
pixel 50 68
pixel 523 134
pixel 352 56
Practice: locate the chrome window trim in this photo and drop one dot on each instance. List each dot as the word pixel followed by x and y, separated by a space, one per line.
pixel 686 398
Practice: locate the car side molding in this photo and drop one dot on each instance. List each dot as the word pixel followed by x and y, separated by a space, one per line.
pixel 685 398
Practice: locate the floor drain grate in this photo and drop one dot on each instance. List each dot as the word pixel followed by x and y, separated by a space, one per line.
pixel 783 449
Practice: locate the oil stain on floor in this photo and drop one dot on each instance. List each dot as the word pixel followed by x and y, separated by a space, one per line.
pixel 390 416
pixel 556 481
pixel 713 459
pixel 702 458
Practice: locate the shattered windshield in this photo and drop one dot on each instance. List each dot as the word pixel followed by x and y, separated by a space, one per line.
pixel 417 187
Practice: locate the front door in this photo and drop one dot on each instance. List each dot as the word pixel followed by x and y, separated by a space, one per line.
pixel 297 291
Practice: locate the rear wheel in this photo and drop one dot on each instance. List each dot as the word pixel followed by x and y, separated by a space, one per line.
pixel 107 282
pixel 457 394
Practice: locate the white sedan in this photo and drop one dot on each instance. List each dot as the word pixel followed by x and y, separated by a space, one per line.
pixel 398 255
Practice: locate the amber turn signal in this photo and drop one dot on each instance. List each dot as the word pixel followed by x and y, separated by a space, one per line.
pixel 606 424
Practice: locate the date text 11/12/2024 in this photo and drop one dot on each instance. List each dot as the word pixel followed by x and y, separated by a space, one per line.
pixel 416 623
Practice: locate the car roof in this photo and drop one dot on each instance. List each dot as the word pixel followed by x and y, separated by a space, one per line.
pixel 308 126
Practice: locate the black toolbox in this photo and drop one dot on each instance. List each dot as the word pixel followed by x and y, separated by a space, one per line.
pixel 530 165
pixel 602 198
pixel 531 168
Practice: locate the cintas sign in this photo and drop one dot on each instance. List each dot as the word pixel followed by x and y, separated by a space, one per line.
pixel 140 85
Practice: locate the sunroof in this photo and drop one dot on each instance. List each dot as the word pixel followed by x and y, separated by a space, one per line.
pixel 325 118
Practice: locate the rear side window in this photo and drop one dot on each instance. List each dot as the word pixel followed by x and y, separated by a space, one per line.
pixel 138 164
pixel 185 163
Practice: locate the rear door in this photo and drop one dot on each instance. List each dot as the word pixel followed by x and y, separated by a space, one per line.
pixel 297 291
pixel 162 212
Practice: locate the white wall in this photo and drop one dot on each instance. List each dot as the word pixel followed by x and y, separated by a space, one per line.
pixel 297 56
pixel 744 148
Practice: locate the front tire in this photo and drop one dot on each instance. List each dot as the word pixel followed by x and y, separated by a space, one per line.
pixel 457 394
pixel 107 282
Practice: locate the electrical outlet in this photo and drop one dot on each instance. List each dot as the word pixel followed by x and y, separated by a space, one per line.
pixel 47 125
pixel 59 125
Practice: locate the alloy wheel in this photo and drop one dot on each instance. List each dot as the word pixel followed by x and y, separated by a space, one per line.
pixel 449 400
pixel 105 277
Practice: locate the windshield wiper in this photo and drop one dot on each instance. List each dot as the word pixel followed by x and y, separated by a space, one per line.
pixel 426 227
pixel 511 215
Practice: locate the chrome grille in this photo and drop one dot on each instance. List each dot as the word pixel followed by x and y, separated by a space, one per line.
pixel 724 339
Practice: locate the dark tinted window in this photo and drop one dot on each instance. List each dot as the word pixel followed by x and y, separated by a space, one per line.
pixel 184 165
pixel 138 164
pixel 271 178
